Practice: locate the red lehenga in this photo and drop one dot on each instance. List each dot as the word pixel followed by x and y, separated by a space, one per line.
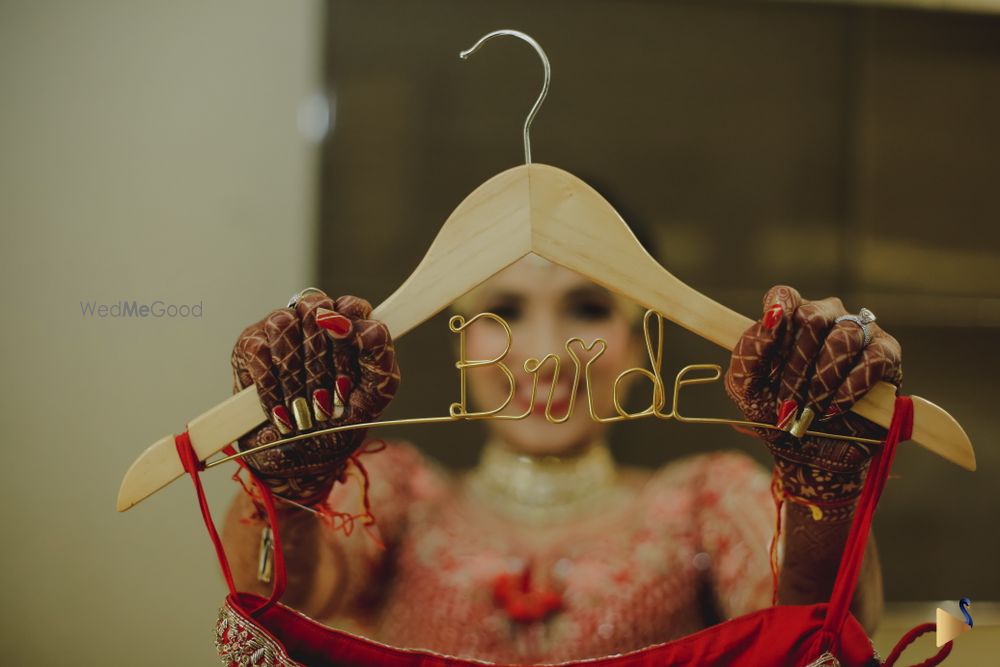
pixel 253 631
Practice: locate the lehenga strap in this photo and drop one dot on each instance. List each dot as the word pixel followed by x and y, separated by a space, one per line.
pixel 854 550
pixel 194 466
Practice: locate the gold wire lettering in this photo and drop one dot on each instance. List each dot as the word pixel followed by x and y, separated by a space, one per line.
pixel 654 349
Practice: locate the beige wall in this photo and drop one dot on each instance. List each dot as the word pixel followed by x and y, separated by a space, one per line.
pixel 147 151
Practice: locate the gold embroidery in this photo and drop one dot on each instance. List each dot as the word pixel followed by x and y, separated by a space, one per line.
pixel 826 660
pixel 240 643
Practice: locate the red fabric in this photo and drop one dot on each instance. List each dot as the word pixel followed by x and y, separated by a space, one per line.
pixel 786 635
pixel 774 636
pixel 854 549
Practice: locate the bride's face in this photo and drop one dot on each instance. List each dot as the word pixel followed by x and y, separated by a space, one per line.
pixel 546 305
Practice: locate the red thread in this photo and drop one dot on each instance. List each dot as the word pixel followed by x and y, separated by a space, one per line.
pixel 194 465
pixel 778 502
pixel 255 499
pixel 909 638
pixel 344 521
pixel 331 518
pixel 364 449
pixel 779 493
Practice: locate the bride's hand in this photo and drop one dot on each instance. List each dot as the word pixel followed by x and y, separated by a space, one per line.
pixel 798 360
pixel 317 364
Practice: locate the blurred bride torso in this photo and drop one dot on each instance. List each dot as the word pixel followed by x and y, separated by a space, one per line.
pixel 520 561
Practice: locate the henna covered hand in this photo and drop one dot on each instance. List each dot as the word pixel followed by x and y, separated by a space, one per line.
pixel 339 367
pixel 796 357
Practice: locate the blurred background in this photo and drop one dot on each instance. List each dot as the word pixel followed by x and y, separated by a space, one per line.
pixel 228 154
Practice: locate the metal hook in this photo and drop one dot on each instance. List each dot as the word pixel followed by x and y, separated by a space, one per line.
pixel 545 85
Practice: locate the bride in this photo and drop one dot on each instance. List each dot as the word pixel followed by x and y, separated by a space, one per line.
pixel 548 550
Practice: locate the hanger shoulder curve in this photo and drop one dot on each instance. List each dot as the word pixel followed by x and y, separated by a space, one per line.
pixel 159 465
pixel 487 232
pixel 933 427
pixel 573 225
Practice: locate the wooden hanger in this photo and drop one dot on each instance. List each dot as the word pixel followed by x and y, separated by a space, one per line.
pixel 532 208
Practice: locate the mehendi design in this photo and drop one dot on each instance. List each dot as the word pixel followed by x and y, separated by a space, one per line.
pixel 802 355
pixel 288 357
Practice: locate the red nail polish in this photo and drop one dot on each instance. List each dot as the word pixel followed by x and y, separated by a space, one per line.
pixel 773 316
pixel 334 322
pixel 284 422
pixel 831 412
pixel 322 405
pixel 786 412
pixel 344 386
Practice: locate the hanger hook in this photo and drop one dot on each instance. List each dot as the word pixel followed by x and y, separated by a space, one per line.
pixel 464 55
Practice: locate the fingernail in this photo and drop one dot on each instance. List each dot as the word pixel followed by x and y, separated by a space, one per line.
pixel 831 412
pixel 773 316
pixel 280 414
pixel 300 409
pixel 333 322
pixel 802 424
pixel 338 406
pixel 322 405
pixel 344 386
pixel 786 411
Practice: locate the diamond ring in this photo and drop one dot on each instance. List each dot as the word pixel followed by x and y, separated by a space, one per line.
pixel 862 319
pixel 298 295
